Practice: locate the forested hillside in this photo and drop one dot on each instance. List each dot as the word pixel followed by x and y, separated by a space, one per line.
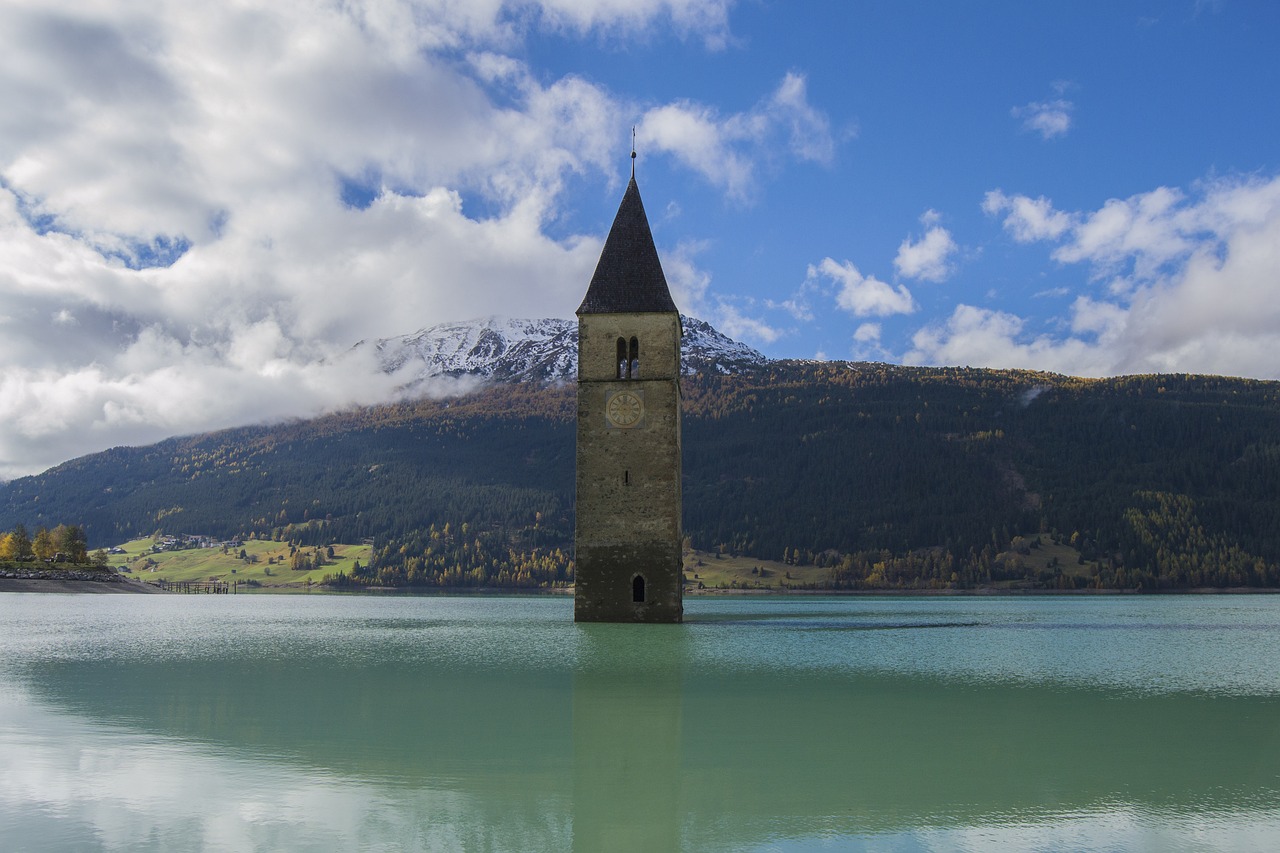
pixel 888 476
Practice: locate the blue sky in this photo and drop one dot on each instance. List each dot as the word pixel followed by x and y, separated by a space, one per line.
pixel 202 207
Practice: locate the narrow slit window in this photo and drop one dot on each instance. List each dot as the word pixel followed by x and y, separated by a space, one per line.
pixel 637 589
pixel 624 363
pixel 633 362
pixel 626 478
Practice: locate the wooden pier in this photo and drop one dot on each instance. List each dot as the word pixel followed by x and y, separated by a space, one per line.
pixel 199 587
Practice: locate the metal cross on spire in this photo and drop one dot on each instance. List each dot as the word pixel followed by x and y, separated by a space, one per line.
pixel 633 150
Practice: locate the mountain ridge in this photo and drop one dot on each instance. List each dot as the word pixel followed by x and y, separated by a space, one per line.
pixel 534 350
pixel 888 476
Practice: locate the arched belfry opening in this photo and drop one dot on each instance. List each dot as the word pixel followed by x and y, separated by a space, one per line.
pixel 627 530
pixel 628 358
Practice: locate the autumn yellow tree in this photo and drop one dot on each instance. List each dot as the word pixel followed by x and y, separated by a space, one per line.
pixel 15 545
pixel 43 545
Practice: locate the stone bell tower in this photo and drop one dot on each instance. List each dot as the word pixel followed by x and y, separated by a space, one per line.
pixel 627 537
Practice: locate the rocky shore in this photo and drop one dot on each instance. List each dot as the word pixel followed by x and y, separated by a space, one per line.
pixel 69 580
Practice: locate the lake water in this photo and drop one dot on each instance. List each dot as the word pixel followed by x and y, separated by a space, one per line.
pixel 326 722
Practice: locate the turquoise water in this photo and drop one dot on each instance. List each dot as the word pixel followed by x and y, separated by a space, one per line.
pixel 483 723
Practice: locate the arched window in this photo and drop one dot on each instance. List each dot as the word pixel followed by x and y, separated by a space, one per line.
pixel 633 365
pixel 623 362
pixel 637 589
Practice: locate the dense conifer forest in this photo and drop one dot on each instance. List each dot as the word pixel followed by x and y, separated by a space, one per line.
pixel 886 477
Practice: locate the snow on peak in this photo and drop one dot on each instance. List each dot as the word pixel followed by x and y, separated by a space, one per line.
pixel 517 350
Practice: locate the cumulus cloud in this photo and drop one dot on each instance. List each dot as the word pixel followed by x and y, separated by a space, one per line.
pixel 1028 219
pixel 982 337
pixel 862 296
pixel 726 149
pixel 867 344
pixel 929 258
pixel 867 333
pixel 228 196
pixel 1191 287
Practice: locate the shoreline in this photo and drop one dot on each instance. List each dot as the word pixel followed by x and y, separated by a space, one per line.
pixel 90 582
pixel 992 592
pixel 80 581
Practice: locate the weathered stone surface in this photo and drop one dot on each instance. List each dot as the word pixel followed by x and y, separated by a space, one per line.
pixel 605 578
pixel 628 538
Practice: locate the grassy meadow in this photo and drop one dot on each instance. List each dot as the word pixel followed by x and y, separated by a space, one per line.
pixel 725 572
pixel 265 562
pixel 1040 554
pixel 269 564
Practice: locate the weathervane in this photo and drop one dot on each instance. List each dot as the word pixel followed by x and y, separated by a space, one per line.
pixel 633 150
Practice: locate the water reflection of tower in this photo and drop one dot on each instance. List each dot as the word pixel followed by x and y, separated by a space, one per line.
pixel 627 731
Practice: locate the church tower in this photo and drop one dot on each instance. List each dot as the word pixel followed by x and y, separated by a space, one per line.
pixel 628 565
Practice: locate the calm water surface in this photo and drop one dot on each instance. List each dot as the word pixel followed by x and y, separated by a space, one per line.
pixel 324 722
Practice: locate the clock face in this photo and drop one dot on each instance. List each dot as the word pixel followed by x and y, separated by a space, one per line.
pixel 624 409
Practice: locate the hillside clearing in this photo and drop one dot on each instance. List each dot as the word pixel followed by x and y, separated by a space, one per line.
pixel 265 562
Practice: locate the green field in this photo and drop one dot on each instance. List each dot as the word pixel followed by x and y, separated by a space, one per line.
pixel 267 563
pixel 1037 553
pixel 725 572
pixel 1040 554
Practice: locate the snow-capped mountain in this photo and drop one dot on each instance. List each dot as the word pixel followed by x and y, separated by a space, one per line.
pixel 705 350
pixel 537 350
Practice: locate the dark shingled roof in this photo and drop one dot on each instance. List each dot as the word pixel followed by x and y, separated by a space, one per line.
pixel 628 278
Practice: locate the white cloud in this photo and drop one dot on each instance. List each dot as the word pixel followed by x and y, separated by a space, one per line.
pixel 175 251
pixel 863 296
pixel 867 333
pixel 725 150
pixel 1029 219
pixel 797 306
pixel 1146 235
pixel 735 324
pixel 1047 118
pixel 1106 320
pixel 704 142
pixel 708 18
pixel 928 258
pixel 980 337
pixel 809 129
pixel 688 282
pixel 867 345
pixel 800 304
pixel 1198 290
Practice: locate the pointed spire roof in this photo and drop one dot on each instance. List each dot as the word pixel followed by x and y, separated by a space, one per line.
pixel 628 278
